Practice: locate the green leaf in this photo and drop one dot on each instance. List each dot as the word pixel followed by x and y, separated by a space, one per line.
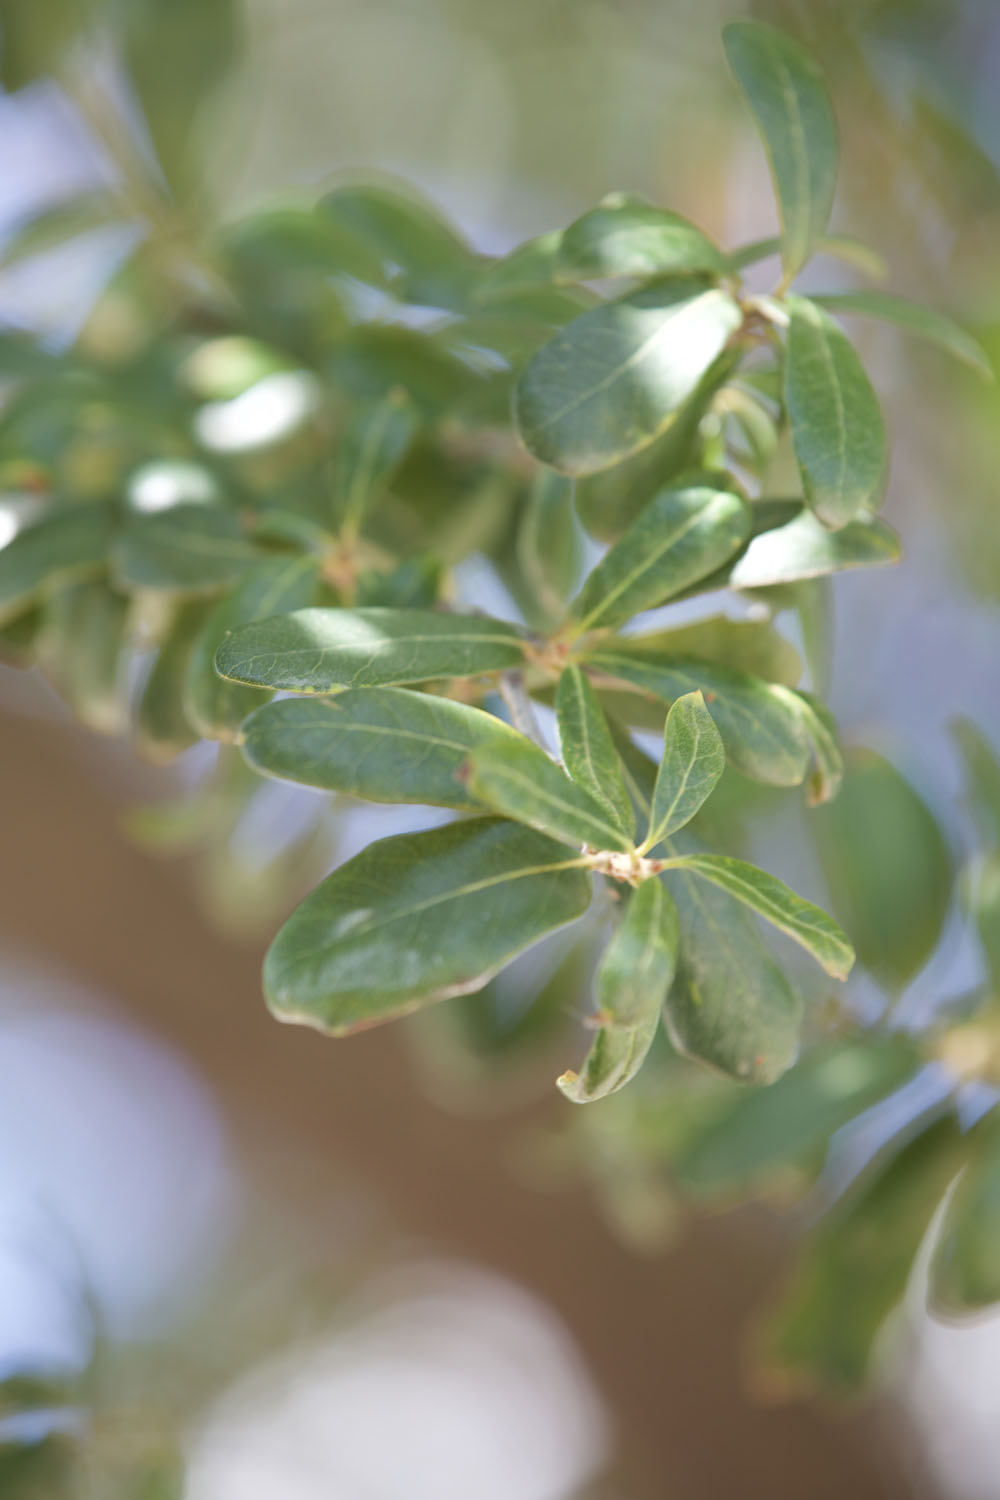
pixel 887 868
pixel 83 647
pixel 922 322
pixel 417 918
pixel 189 549
pixel 520 781
pixel 787 93
pixel 761 730
pixel 162 727
pixel 633 979
pixel 611 381
pixel 67 543
pixel 804 548
pixel 371 450
pixel 19 638
pixel 788 1126
pixel 856 1268
pixel 965 1274
pixel 680 536
pixel 588 751
pixel 820 729
pixel 548 544
pixel 382 744
pixel 765 894
pixel 693 760
pixel 317 650
pixel 217 708
pixel 746 645
pixel 432 265
pixel 730 1006
pixel 58 223
pixel 835 419
pixel 981 767
pixel 526 268
pixel 634 239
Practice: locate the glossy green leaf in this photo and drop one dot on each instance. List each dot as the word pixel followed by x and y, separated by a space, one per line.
pixel 67 543
pixel 730 1006
pixel 370 451
pixel 382 744
pixel 527 267
pixel 761 730
pixel 520 781
pixel 317 650
pixel 418 918
pixel 965 1274
pixel 607 503
pixel 633 979
pixel 693 760
pixel 83 647
pixel 887 867
pixel 215 707
pixel 822 1337
pixel 787 93
pixel 611 381
pixel 548 544
pixel 189 549
pixel 432 265
pixel 162 727
pixel 634 239
pixel 680 536
pixel 835 418
pixel 753 646
pixel 922 322
pixel 769 1132
pixel 805 548
pixel 770 898
pixel 588 751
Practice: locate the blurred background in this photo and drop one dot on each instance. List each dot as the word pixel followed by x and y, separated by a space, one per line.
pixel 237 1260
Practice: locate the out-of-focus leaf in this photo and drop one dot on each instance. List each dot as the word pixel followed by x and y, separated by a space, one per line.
pixel 177 53
pixel 316 650
pixel 982 776
pixel 188 549
pixel 770 898
pixel 382 744
pixel 761 730
pixel 766 1133
pixel 83 648
pixel 548 543
pixel 922 322
pixel 60 222
pixel 680 536
pixel 820 729
pixel 217 708
pixel 162 727
pixel 746 645
pixel 887 867
pixel 965 1274
pixel 981 892
pixel 835 418
pixel 432 263
pixel 633 978
pixel 371 450
pixel 70 542
pixel 825 1338
pixel 693 760
pixel 418 918
pixel 519 780
pixel 611 382
pixel 588 750
pixel 730 1005
pixel 527 267
pixel 787 93
pixel 34 38
pixel 19 637
pixel 634 239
